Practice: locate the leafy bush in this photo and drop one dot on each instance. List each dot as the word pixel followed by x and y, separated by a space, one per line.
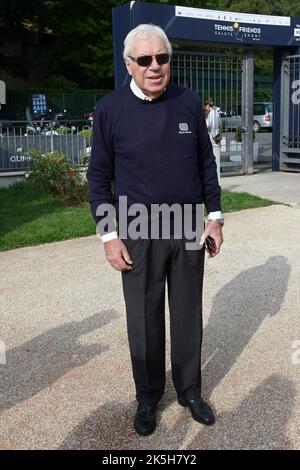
pixel 87 134
pixel 56 175
pixel 84 160
pixel 62 130
pixel 239 133
pixel 60 84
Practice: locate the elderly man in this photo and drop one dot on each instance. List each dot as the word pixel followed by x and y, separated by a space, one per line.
pixel 150 144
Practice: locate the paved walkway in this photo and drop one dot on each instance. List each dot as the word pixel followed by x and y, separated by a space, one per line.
pixel 277 186
pixel 67 379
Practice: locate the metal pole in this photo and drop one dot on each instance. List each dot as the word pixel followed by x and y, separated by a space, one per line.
pixel 247 110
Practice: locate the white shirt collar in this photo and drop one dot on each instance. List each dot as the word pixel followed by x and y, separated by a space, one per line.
pixel 138 92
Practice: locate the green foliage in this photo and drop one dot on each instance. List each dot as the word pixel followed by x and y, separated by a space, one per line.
pixel 73 105
pixel 59 84
pixel 57 176
pixel 30 216
pixel 63 38
pixel 231 201
pixel 83 42
pixel 238 134
pixel 84 160
pixel 88 134
pixel 263 95
pixel 63 130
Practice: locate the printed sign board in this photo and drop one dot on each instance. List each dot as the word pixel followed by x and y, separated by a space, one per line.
pixel 230 27
pixel 39 105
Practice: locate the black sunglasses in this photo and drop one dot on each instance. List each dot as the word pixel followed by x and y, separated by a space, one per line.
pixel 146 60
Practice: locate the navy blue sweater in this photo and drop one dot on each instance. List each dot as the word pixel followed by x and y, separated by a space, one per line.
pixel 153 151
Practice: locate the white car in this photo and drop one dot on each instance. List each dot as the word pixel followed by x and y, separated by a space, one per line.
pixel 262 117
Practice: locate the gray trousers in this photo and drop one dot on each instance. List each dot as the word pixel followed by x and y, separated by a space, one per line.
pixel 154 263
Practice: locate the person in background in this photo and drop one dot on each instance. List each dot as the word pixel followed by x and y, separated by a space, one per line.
pixel 213 126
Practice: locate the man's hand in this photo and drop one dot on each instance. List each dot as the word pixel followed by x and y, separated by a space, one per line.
pixel 214 229
pixel 117 255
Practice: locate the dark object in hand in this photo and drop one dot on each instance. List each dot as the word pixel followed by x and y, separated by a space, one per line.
pixel 210 245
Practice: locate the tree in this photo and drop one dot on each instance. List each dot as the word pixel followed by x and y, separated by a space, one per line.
pixel 83 40
pixel 73 39
pixel 23 34
pixel 61 37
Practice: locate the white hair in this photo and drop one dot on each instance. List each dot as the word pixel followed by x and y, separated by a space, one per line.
pixel 144 31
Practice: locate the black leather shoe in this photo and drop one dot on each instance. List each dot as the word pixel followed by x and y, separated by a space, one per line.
pixel 144 420
pixel 200 410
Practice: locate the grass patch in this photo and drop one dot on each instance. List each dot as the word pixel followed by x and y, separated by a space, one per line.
pixel 232 202
pixel 30 217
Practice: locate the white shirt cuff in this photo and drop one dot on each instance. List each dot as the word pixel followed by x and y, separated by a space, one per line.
pixel 215 215
pixel 108 236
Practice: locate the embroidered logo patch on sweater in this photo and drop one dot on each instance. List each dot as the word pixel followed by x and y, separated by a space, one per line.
pixel 184 128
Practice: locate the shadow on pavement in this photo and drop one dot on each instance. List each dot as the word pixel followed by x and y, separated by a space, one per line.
pixel 258 422
pixel 39 362
pixel 238 310
pixel 111 427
